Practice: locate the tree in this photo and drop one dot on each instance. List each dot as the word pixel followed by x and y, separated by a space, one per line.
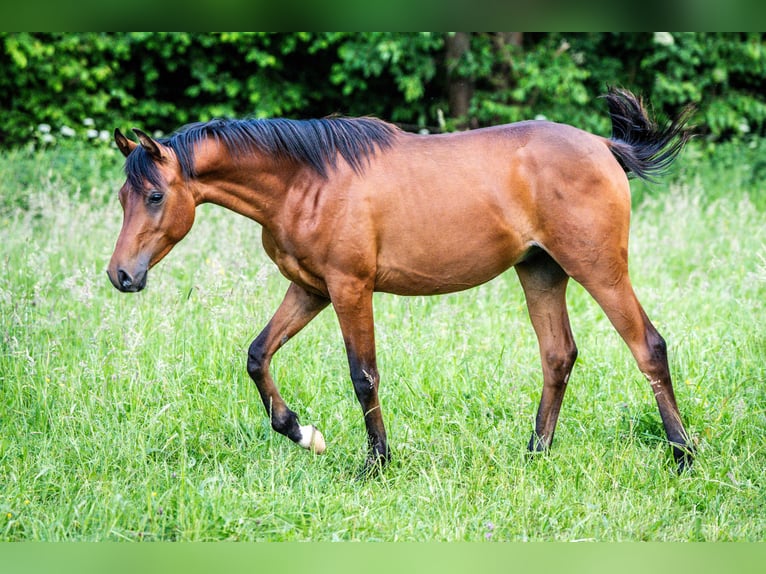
pixel 436 81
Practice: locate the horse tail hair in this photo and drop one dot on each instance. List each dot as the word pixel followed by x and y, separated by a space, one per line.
pixel 643 148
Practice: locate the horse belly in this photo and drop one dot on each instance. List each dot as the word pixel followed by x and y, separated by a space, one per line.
pixel 446 262
pixel 457 214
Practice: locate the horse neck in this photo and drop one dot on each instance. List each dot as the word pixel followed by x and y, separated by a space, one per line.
pixel 254 187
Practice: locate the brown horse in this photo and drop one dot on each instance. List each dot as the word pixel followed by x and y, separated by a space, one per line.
pixel 351 206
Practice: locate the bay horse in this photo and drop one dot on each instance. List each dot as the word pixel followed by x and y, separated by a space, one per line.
pixel 349 206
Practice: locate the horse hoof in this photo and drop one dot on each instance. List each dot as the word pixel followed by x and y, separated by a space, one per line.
pixel 537 444
pixel 684 458
pixel 312 439
pixel 370 470
pixel 373 466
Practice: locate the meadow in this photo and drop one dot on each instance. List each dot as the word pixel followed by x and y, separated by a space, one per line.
pixel 132 417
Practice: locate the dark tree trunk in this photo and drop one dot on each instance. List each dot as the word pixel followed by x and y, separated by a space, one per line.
pixel 459 87
pixel 507 46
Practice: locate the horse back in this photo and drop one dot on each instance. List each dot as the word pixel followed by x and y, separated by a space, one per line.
pixel 448 212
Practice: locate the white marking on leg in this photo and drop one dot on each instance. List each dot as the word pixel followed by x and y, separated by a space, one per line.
pixel 312 439
pixel 369 378
pixel 656 385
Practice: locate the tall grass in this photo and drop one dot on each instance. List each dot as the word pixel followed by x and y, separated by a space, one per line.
pixel 131 417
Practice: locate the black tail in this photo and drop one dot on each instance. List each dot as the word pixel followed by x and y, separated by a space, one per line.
pixel 643 148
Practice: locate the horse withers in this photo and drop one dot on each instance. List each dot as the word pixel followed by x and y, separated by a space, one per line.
pixel 352 206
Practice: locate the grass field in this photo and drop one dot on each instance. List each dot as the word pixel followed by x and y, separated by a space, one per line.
pixel 131 417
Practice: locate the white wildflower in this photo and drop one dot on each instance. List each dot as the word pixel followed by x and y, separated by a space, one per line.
pixel 92 134
pixel 47 138
pixel 540 117
pixel 664 38
pixel 88 122
pixel 67 131
pixel 104 135
pixel 44 128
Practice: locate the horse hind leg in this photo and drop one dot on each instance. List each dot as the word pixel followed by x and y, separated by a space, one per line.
pixel 609 284
pixel 544 284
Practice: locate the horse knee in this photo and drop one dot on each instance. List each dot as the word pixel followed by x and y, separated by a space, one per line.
pixel 560 362
pixel 256 359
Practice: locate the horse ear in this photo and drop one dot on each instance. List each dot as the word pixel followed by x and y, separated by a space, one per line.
pixel 150 145
pixel 126 146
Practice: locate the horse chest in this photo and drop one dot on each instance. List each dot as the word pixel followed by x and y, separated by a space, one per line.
pixel 291 267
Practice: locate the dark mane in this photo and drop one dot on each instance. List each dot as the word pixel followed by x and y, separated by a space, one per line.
pixel 316 143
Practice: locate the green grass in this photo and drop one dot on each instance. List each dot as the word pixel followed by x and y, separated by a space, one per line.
pixel 131 417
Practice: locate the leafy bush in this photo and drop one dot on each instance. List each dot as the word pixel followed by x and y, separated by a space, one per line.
pixel 60 86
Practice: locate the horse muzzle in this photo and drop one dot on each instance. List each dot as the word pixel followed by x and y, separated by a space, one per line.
pixel 127 282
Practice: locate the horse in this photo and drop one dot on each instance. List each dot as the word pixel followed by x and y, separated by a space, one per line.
pixel 350 206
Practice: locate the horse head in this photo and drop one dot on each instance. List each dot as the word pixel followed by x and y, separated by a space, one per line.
pixel 158 210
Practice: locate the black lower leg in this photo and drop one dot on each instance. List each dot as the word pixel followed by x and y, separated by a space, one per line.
pixel 680 444
pixel 283 420
pixel 365 382
pixel 658 373
pixel 287 423
pixel 536 443
pixel 684 457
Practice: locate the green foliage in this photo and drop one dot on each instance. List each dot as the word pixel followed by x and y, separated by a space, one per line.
pixel 370 65
pixel 540 80
pixel 722 73
pixel 560 75
pixel 61 86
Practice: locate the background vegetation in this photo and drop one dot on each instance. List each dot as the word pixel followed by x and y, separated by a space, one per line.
pixel 131 417
pixel 433 81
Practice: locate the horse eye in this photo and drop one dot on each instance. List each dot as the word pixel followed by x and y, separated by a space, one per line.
pixel 155 197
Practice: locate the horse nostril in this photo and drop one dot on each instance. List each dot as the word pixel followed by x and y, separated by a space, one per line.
pixel 124 278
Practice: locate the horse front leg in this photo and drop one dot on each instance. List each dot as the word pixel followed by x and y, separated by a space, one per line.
pixel 353 306
pixel 296 310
